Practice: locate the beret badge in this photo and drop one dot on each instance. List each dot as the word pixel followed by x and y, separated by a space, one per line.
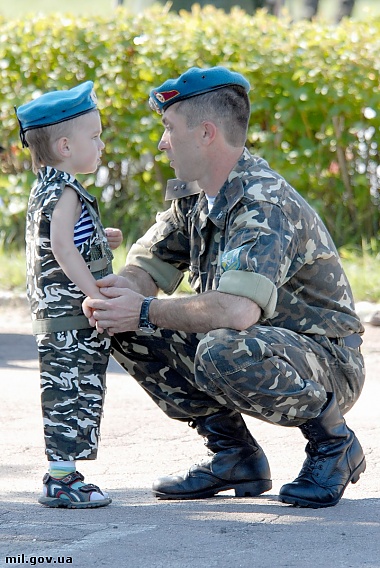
pixel 166 96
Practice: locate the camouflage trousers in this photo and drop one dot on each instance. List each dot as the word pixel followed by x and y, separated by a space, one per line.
pixel 269 373
pixel 73 380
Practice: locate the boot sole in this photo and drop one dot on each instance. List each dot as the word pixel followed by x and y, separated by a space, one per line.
pixel 296 502
pixel 68 504
pixel 246 489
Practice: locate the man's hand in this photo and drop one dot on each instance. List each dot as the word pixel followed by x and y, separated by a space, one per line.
pixel 132 282
pixel 119 311
pixel 112 281
pixel 106 282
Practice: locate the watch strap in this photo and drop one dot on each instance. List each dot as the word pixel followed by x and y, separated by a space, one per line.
pixel 144 323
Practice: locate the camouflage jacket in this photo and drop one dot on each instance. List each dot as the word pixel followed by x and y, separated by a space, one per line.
pixel 261 240
pixel 50 292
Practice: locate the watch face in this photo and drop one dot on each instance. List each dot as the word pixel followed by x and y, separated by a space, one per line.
pixel 148 330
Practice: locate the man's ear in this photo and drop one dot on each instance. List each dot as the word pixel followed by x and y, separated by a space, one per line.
pixel 63 147
pixel 209 131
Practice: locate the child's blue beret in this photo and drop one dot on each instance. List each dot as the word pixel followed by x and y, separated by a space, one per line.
pixel 56 106
pixel 194 82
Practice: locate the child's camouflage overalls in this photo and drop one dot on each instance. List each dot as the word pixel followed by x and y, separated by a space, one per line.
pixel 263 241
pixel 73 357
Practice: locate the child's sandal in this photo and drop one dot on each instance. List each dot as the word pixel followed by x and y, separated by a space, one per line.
pixel 59 493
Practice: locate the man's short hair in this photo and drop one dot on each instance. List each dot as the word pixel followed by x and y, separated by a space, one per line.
pixel 228 107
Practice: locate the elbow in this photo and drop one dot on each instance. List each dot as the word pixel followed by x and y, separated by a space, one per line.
pixel 246 314
pixel 243 323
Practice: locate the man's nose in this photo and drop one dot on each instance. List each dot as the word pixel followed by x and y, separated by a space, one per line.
pixel 163 144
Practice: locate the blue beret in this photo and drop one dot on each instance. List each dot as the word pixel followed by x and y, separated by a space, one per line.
pixel 194 82
pixel 56 106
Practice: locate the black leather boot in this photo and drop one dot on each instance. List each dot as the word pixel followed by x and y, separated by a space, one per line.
pixel 238 462
pixel 334 458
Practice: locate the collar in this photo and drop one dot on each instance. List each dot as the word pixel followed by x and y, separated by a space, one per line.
pixel 176 189
pixel 232 190
pixel 48 174
pixel 230 193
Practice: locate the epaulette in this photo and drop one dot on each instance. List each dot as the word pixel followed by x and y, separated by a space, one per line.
pixel 176 189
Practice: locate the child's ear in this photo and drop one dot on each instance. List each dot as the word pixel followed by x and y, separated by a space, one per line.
pixel 63 147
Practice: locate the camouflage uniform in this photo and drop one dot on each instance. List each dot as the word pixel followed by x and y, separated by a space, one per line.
pixel 73 357
pixel 261 240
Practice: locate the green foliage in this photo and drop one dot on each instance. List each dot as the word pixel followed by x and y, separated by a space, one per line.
pixel 362 266
pixel 315 105
pixel 13 270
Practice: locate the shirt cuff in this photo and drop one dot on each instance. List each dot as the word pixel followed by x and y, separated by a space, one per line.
pixel 166 276
pixel 251 285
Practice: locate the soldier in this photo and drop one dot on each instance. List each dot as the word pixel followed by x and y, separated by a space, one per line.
pixel 67 248
pixel 271 331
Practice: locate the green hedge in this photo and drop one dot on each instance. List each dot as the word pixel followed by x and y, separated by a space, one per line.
pixel 315 105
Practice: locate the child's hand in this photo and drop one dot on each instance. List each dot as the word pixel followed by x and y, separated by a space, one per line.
pixel 114 237
pixel 88 312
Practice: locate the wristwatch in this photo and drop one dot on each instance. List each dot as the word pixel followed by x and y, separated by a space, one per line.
pixel 144 324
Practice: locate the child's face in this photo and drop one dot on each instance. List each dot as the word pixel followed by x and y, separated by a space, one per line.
pixel 85 144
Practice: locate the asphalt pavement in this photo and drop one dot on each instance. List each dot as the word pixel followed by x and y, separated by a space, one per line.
pixel 139 443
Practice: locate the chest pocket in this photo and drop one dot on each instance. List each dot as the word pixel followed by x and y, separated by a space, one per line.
pixel 101 258
pixel 98 254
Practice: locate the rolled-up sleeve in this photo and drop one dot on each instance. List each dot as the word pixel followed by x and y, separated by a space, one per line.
pixel 166 276
pixel 253 286
pixel 164 250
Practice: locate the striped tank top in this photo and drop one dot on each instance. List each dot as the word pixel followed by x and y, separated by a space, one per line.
pixel 83 228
